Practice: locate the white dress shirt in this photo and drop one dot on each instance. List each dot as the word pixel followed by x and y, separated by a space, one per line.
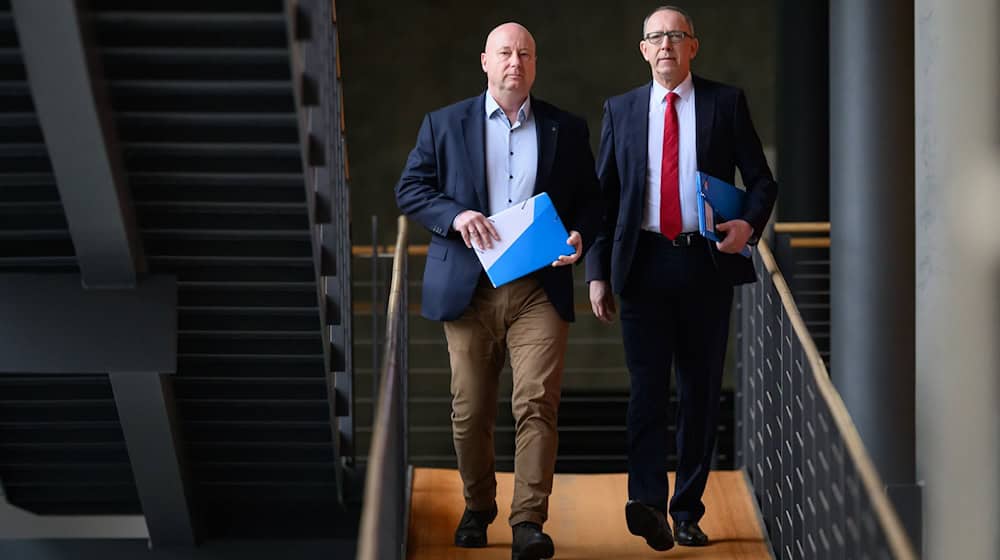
pixel 511 155
pixel 687 154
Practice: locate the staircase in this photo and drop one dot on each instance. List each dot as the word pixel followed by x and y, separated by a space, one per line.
pixel 206 113
pixel 61 447
pixel 227 117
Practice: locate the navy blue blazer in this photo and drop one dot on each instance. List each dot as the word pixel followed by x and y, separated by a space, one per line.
pixel 726 139
pixel 445 175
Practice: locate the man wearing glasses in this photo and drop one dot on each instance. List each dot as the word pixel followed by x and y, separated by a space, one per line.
pixel 676 287
pixel 473 159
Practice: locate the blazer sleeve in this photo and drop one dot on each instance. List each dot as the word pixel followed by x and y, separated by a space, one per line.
pixel 599 257
pixel 762 190
pixel 419 192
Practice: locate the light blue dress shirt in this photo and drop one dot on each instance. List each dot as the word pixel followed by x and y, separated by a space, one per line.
pixel 511 155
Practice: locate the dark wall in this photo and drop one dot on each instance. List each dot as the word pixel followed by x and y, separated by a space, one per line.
pixel 400 60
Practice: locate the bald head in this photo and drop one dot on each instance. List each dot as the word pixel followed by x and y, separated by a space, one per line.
pixel 508 59
pixel 505 30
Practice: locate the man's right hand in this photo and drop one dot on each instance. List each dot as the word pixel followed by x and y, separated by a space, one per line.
pixel 474 227
pixel 602 301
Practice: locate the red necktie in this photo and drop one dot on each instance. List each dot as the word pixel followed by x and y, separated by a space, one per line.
pixel 670 195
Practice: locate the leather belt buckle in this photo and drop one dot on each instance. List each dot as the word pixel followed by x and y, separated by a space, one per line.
pixel 685 239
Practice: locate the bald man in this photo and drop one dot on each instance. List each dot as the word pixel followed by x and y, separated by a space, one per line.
pixel 472 160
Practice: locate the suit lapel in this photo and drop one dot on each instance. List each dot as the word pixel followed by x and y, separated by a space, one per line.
pixel 474 129
pixel 638 125
pixel 547 130
pixel 704 109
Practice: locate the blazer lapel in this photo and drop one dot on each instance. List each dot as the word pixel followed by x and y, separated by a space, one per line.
pixel 638 124
pixel 474 129
pixel 704 108
pixel 547 130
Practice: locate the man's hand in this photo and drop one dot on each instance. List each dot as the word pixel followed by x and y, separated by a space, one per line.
pixel 475 228
pixel 602 301
pixel 576 241
pixel 737 233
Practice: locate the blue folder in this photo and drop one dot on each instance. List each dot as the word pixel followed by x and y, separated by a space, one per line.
pixel 531 237
pixel 718 201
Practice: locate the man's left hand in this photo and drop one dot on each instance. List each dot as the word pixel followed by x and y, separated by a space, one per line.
pixel 737 233
pixel 576 241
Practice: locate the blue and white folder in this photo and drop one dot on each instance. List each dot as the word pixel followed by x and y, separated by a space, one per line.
pixel 531 237
pixel 718 201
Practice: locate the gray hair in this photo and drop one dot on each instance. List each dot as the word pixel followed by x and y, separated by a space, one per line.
pixel 687 18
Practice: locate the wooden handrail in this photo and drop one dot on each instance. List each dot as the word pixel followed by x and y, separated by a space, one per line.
pixel 366 250
pixel 802 227
pixel 421 250
pixel 809 243
pixel 896 536
pixel 780 227
pixel 371 532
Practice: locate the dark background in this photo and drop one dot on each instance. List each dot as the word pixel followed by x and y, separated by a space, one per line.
pixel 400 60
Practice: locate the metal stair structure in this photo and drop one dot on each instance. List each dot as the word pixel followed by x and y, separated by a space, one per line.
pixel 217 131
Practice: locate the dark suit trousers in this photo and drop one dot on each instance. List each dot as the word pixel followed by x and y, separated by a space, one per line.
pixel 674 310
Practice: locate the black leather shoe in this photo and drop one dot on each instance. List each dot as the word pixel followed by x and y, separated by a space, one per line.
pixel 648 523
pixel 471 531
pixel 530 543
pixel 690 534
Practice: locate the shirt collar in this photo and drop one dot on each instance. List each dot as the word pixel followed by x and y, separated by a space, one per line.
pixel 492 107
pixel 659 93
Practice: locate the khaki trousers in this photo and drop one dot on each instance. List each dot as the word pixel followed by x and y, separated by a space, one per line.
pixel 516 317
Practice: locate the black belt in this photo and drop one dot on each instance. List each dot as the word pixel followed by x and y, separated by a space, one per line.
pixel 685 239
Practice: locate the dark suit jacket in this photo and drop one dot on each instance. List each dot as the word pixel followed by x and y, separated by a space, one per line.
pixel 726 139
pixel 445 175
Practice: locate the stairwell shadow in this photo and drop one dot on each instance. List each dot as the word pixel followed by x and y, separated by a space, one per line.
pixel 734 541
pixel 721 548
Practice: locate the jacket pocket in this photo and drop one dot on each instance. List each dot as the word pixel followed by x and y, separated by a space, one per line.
pixel 437 251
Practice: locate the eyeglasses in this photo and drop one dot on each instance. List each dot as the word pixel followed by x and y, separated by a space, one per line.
pixel 656 37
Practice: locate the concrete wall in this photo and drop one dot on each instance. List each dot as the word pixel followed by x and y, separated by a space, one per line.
pixel 957 276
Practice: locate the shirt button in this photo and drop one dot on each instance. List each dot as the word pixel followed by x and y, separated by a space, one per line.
pixel 511 177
